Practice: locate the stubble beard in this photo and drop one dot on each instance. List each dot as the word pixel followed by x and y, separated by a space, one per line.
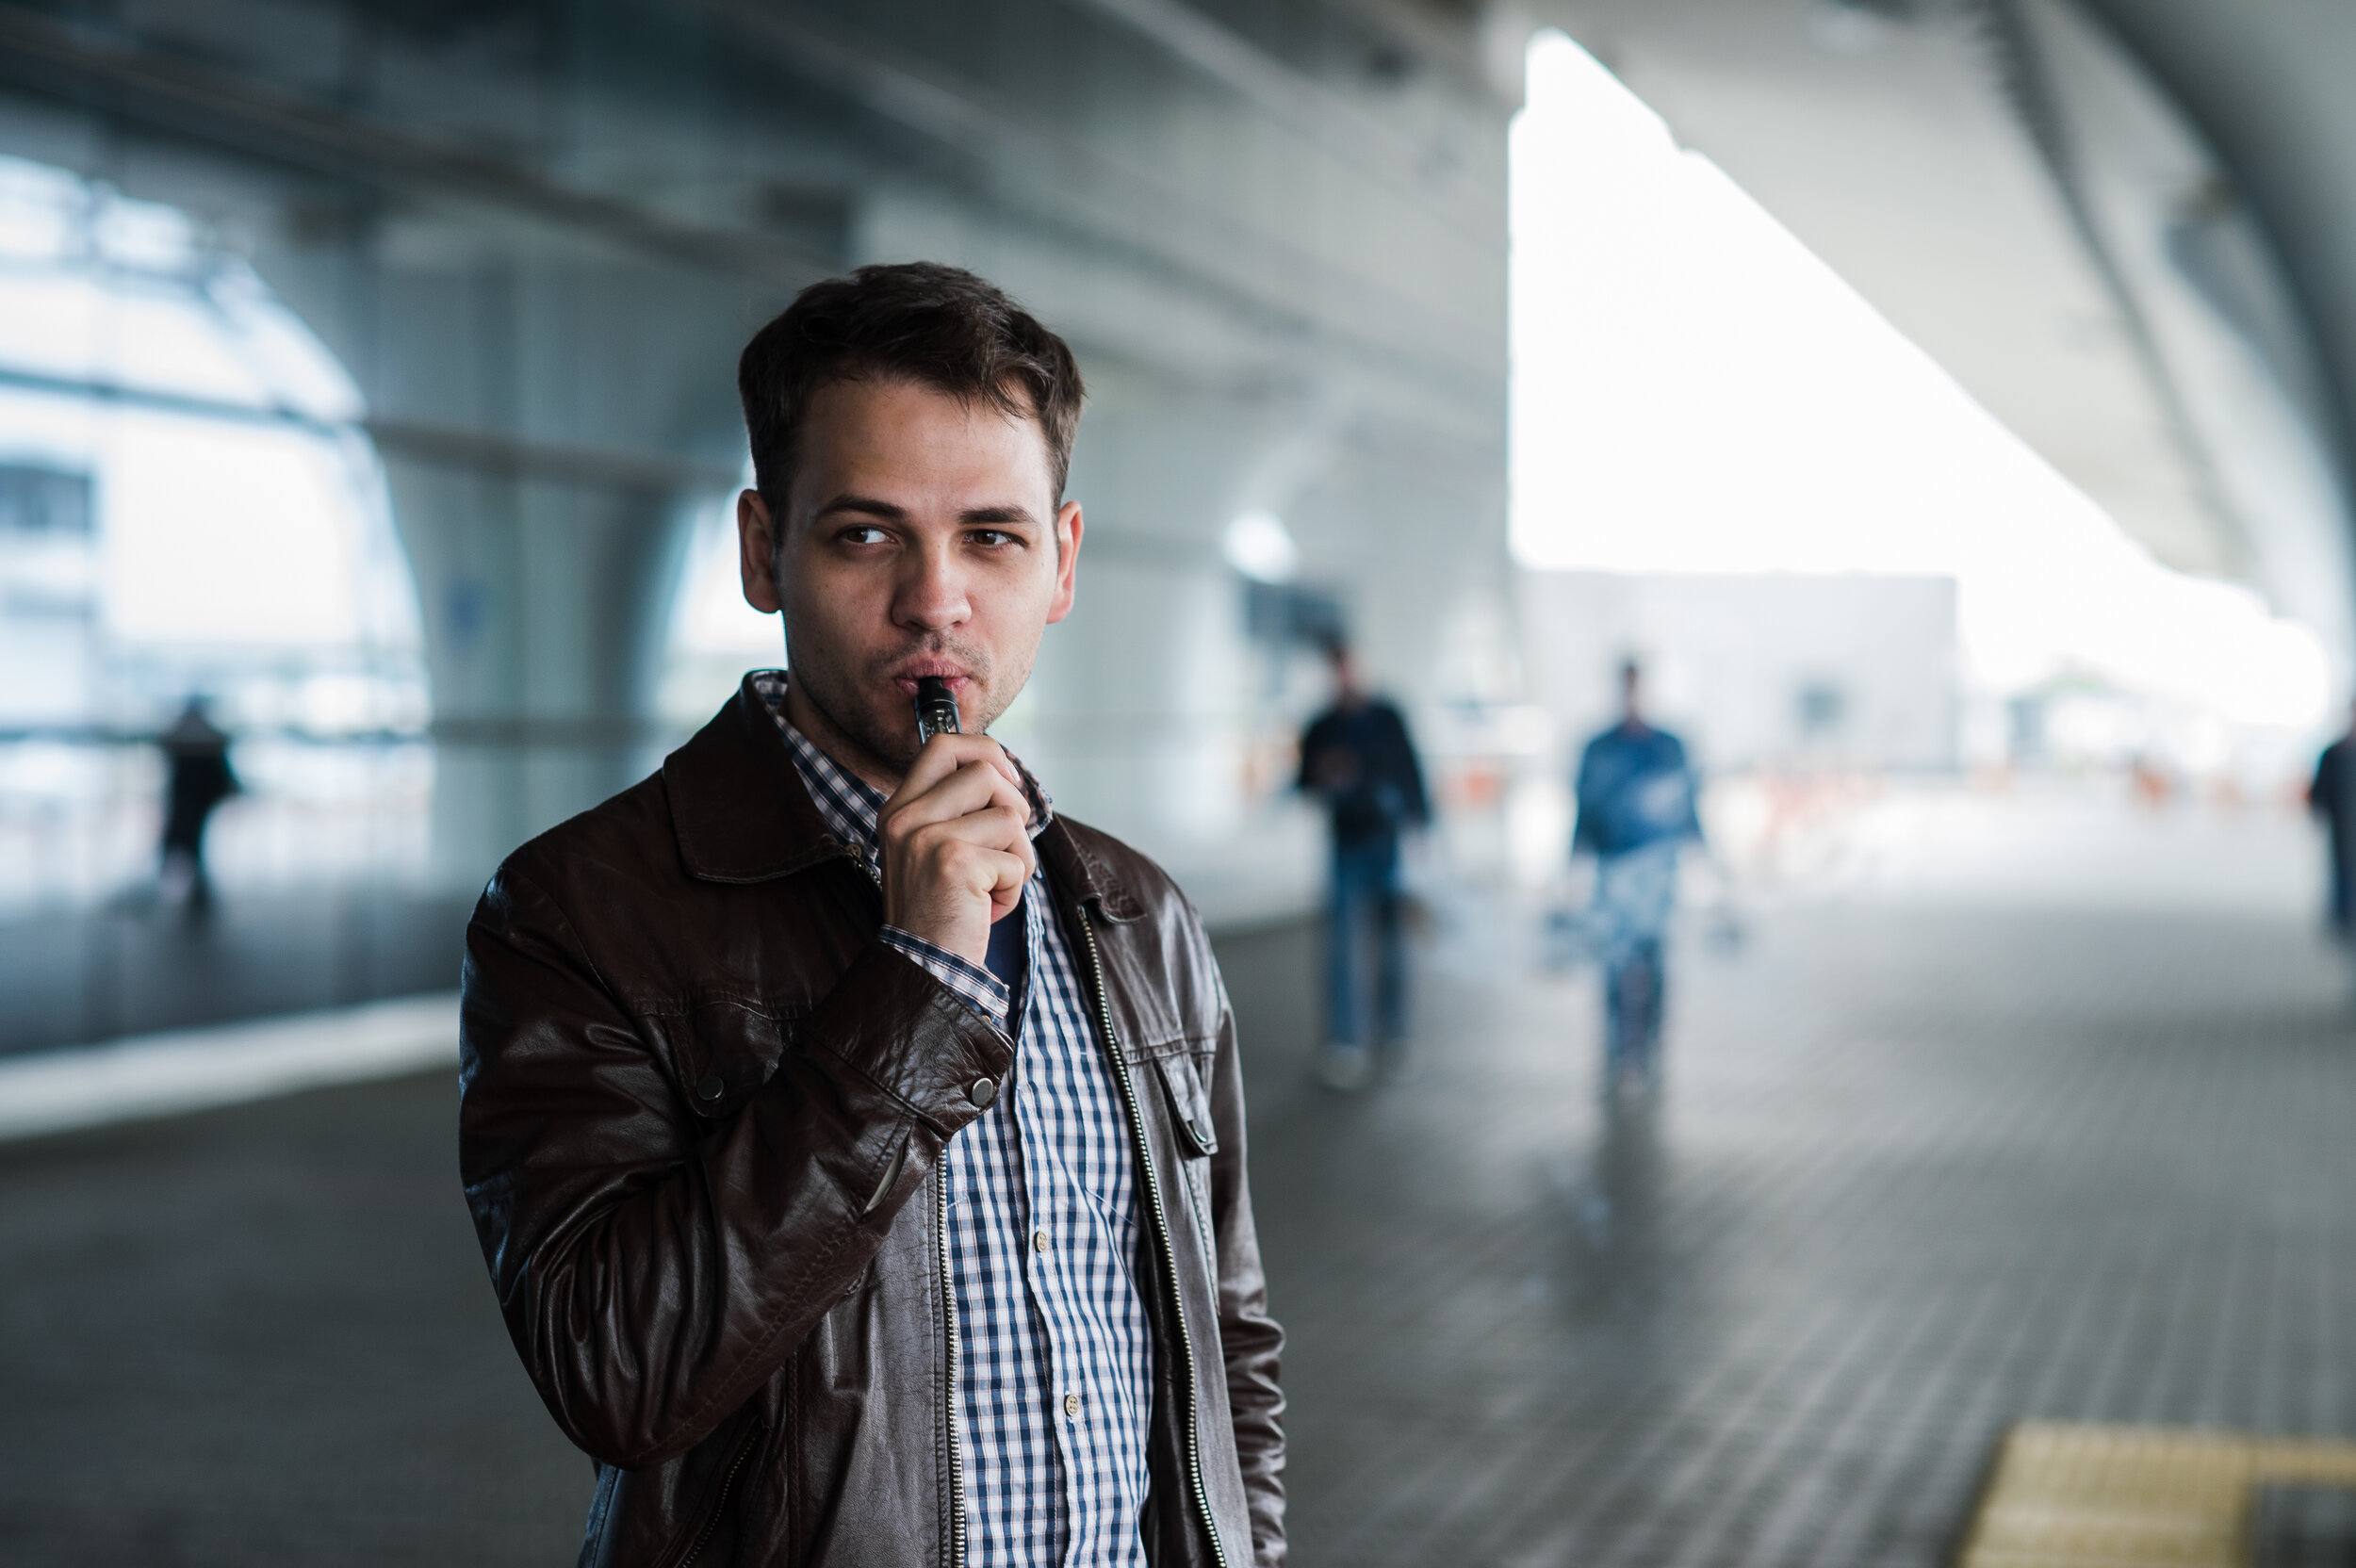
pixel 889 737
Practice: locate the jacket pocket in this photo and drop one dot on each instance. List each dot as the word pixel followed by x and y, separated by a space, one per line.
pixel 1190 1104
pixel 1190 1121
pixel 677 1513
pixel 714 1511
pixel 723 1052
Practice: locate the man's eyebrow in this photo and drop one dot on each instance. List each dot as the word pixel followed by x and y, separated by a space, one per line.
pixel 998 514
pixel 868 504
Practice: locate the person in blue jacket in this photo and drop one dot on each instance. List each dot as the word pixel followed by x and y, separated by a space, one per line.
pixel 1636 809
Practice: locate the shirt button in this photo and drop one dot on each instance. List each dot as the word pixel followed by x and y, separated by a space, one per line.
pixel 1072 1404
pixel 983 1091
pixel 1038 1241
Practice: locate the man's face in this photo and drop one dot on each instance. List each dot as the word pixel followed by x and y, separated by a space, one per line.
pixel 921 537
pixel 1345 669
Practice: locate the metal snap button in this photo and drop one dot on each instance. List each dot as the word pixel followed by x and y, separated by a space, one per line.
pixel 711 1086
pixel 983 1092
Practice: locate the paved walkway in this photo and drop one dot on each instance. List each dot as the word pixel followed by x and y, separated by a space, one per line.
pixel 1917 1173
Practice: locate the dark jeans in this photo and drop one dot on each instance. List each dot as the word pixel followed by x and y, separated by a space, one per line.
pixel 184 845
pixel 1364 904
pixel 2343 884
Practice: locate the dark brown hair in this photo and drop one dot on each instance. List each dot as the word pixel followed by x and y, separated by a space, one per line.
pixel 938 326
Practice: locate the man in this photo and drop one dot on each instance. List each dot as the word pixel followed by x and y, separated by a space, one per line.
pixel 856 1144
pixel 1357 758
pixel 1636 809
pixel 199 779
pixel 2331 796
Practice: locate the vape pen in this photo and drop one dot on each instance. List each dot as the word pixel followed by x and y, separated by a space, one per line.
pixel 936 708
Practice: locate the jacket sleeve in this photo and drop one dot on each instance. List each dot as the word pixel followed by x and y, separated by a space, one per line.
pixel 1693 824
pixel 1250 1338
pixel 1411 771
pixel 654 1268
pixel 1311 744
pixel 1585 837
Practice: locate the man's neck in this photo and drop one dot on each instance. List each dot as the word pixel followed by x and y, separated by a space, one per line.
pixel 838 743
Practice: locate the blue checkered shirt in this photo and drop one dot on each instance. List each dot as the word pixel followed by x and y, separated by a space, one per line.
pixel 1052 1344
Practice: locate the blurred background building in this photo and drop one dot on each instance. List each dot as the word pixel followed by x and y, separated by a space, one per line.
pixel 367 369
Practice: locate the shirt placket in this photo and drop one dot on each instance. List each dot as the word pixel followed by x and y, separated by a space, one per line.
pixel 1046 1207
pixel 978 1165
pixel 1082 1248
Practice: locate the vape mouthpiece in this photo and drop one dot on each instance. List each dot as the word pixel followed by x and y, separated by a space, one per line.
pixel 936 708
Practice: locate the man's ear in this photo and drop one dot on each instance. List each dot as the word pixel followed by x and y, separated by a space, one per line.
pixel 1068 527
pixel 756 551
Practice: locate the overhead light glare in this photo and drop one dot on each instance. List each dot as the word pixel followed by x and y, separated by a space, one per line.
pixel 1261 547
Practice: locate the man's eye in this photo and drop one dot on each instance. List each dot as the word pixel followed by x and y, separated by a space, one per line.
pixel 992 537
pixel 863 534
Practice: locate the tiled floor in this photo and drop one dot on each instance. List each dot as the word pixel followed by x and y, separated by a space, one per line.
pixel 1916 1174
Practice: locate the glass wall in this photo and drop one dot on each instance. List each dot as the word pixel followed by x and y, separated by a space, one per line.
pixel 190 507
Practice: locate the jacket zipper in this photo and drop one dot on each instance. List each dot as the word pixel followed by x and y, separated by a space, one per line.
pixel 1161 1228
pixel 720 1503
pixel 949 1315
pixel 949 1310
pixel 949 1305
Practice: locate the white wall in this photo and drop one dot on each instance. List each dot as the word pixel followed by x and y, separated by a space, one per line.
pixel 1727 660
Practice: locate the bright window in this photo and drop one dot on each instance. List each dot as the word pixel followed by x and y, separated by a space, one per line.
pixel 1694 391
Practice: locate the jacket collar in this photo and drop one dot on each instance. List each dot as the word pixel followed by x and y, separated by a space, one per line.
pixel 743 814
pixel 1084 878
pixel 739 807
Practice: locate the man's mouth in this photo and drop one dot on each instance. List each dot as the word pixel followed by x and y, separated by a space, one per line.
pixel 952 676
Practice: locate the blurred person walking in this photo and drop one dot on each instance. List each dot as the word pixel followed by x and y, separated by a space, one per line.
pixel 2332 797
pixel 199 779
pixel 1357 758
pixel 1636 810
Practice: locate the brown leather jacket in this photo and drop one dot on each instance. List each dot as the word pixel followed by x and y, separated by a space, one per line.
pixel 701 1124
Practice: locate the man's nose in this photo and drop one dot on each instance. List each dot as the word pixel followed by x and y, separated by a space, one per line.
pixel 931 594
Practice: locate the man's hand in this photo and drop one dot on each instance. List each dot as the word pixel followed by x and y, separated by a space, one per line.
pixel 957 847
pixel 1334 770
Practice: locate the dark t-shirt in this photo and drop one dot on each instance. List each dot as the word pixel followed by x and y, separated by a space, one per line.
pixel 1009 950
pixel 1359 760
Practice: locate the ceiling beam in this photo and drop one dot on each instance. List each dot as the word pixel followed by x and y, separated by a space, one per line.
pixel 104 71
pixel 1322 116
